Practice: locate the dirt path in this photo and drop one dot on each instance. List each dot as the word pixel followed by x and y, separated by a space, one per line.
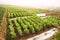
pixel 4 26
pixel 53 14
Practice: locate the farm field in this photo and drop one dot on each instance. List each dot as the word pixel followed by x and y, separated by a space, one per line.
pixel 27 24
pixel 1 13
pixel 2 10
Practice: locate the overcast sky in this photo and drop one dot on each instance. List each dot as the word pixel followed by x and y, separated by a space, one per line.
pixel 33 3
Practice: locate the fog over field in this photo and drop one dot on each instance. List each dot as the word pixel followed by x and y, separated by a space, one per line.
pixel 33 3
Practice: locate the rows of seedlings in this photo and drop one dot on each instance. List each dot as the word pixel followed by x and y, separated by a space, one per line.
pixel 30 25
pixel 27 26
pixel 20 12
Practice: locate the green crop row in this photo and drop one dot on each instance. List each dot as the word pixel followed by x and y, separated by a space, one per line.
pixel 31 25
pixel 12 13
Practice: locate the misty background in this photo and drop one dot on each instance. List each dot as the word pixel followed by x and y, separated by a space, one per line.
pixel 33 3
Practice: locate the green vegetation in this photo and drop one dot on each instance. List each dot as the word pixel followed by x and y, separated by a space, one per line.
pixel 21 12
pixel 25 22
pixel 31 25
pixel 1 13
